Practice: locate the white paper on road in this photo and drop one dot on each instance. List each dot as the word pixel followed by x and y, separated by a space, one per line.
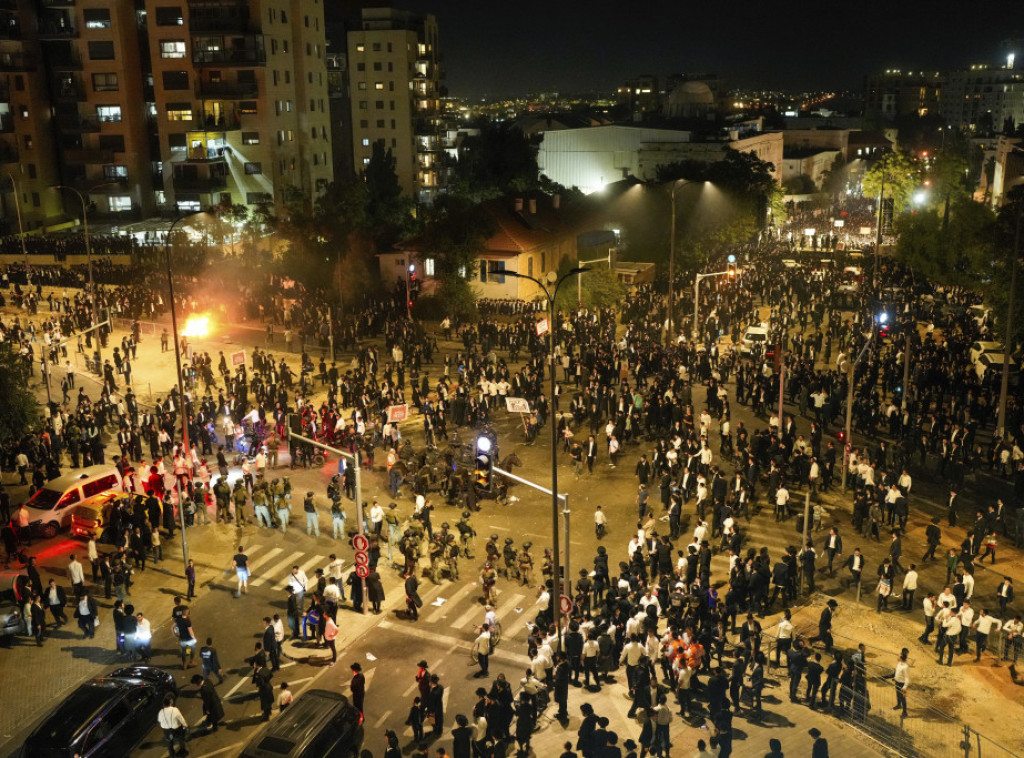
pixel 663 518
pixel 519 610
pixel 438 602
pixel 371 657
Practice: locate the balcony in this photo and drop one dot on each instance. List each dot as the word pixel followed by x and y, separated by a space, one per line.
pixel 65 60
pixel 199 183
pixel 200 155
pixel 226 90
pixel 17 62
pixel 10 29
pixel 223 22
pixel 237 57
pixel 57 31
pixel 69 91
pixel 88 157
pixel 8 154
pixel 6 123
pixel 83 125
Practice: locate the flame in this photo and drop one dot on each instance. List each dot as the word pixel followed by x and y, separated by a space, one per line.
pixel 196 326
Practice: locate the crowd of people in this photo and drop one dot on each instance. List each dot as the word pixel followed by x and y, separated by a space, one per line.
pixel 652 606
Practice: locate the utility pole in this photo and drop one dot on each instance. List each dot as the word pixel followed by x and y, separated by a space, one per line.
pixel 1004 384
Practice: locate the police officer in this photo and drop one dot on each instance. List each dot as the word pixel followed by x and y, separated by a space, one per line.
pixel 526 564
pixel 240 498
pixel 451 556
pixel 509 555
pixel 466 533
pixel 312 517
pixel 222 492
pixel 491 549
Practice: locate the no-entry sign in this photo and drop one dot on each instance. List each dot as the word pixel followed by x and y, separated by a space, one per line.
pixel 238 359
pixel 565 605
pixel 542 327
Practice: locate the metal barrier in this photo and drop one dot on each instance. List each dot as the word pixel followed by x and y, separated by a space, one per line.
pixel 927 732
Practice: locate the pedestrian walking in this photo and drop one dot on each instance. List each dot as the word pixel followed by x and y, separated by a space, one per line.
pixel 358 687
pixel 241 565
pixel 174 726
pixel 901 678
pixel 213 709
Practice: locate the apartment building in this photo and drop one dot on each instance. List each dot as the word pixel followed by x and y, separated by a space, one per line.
pixel 162 105
pixel 395 78
pixel 984 98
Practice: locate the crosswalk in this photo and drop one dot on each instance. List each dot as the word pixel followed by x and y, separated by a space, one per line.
pixel 272 566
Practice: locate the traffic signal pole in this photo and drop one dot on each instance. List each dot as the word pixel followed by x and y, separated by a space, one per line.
pixel 354 457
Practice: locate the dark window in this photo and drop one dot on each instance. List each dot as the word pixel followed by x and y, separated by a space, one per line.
pixel 255 198
pixel 104 82
pixel 101 51
pixel 105 728
pixel 247 75
pixel 247 106
pixel 35 199
pixel 169 16
pixel 496 269
pixel 177 141
pixel 112 142
pixel 31 171
pixel 175 80
pixel 252 168
pixel 250 138
pixel 19 83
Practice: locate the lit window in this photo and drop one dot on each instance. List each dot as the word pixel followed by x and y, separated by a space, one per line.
pixel 378 85
pixel 104 82
pixel 366 142
pixel 108 112
pixel 428 266
pixel 360 48
pixel 250 138
pixel 366 161
pixel 98 18
pixel 179 111
pixel 118 203
pixel 115 172
pixel 172 48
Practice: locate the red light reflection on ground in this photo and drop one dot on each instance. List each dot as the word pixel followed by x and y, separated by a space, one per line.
pixel 57 549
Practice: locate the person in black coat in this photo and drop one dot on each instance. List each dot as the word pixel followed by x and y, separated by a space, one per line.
pixel 358 687
pixel 412 592
pixel 355 591
pixel 213 709
pixel 462 738
pixel 374 590
pixel 435 704
pixel 561 686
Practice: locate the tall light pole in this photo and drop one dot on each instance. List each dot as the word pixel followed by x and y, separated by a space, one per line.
pixel 551 294
pixel 88 254
pixel 878 229
pixel 181 389
pixel 1004 383
pixel 670 330
pixel 17 209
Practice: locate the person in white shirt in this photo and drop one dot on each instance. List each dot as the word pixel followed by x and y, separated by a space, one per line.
pixel 298 582
pixel 909 587
pixel 1014 633
pixel 984 625
pixel 174 726
pixel 76 575
pixel 781 500
pixel 377 517
pixel 600 522
pixel 968 585
pixel 929 617
pixel 966 615
pixel 785 637
pixel 901 676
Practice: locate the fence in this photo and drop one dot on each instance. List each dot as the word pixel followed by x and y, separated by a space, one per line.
pixel 927 732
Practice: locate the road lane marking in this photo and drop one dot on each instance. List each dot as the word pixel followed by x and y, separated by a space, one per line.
pixel 307 569
pixel 442 610
pixel 283 565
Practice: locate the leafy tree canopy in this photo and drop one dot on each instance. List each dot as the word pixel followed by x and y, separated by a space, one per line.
pixel 19 410
pixel 896 175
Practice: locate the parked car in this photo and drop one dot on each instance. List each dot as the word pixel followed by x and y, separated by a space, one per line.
pixel 103 717
pixel 12 600
pixel 978 349
pixel 92 517
pixel 320 723
pixel 50 508
pixel 989 368
pixel 755 339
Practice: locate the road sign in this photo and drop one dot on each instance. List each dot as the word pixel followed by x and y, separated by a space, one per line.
pixel 397 413
pixel 359 542
pixel 238 359
pixel 362 558
pixel 565 604
pixel 542 327
pixel 362 571
pixel 517 405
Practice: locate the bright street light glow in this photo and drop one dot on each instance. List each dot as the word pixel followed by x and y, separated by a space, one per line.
pixel 483 444
pixel 883 317
pixel 732 259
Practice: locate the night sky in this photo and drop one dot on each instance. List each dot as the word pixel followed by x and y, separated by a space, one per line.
pixel 582 46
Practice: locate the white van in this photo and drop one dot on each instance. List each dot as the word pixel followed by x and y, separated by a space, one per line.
pixel 51 507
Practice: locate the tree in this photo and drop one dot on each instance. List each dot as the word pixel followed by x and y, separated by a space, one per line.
pixel 895 176
pixel 833 181
pixel 958 252
pixel 948 174
pixel 388 213
pixel 19 410
pixel 453 234
pixel 599 287
pixel 799 185
pixel 499 161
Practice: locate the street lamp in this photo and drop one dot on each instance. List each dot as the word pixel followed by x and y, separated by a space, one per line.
pixel 408 290
pixel 181 390
pixel 1004 382
pixel 670 331
pixel 551 294
pixel 730 272
pixel 21 229
pixel 88 254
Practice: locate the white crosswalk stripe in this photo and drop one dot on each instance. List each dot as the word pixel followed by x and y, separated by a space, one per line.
pixel 443 610
pixel 282 566
pixel 265 558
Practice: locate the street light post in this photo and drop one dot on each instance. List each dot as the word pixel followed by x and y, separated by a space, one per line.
pixel 551 294
pixel 408 290
pixel 1004 383
pixel 696 296
pixel 878 229
pixel 181 390
pixel 17 210
pixel 88 255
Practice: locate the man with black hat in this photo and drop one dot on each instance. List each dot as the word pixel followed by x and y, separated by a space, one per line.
pixel 358 686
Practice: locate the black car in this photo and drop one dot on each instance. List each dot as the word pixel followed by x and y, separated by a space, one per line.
pixel 320 723
pixel 104 717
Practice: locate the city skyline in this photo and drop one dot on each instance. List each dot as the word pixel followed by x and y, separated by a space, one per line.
pixel 530 49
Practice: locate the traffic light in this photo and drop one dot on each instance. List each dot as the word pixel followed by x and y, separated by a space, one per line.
pixel 484 465
pixel 732 272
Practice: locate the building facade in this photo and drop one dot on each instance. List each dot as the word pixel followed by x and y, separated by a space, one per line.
pixel 895 93
pixel 983 98
pixel 395 77
pixel 164 106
